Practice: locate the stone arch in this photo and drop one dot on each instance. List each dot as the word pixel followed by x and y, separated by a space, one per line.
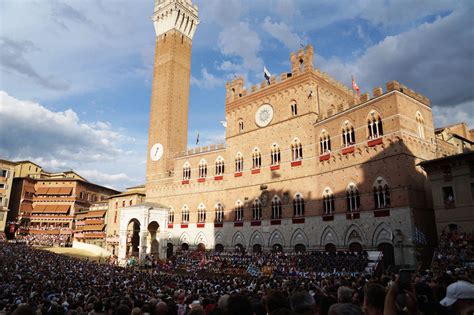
pixel 299 237
pixel 238 238
pixel 354 234
pixel 329 236
pixel 256 238
pixel 219 238
pixel 382 234
pixel 200 238
pixel 276 238
pixel 184 238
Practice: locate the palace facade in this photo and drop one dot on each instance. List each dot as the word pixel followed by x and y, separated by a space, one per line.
pixel 306 165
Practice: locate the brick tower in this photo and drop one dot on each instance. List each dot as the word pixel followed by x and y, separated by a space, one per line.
pixel 175 23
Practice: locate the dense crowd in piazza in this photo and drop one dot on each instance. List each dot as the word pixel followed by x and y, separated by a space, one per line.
pixel 35 281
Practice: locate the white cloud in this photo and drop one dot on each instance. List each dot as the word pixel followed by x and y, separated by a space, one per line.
pixel 108 180
pixel 444 116
pixel 241 41
pixel 60 141
pixel 207 80
pixel 282 32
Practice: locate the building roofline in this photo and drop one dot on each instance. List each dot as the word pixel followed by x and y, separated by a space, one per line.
pixel 75 180
pixel 464 155
pixel 8 162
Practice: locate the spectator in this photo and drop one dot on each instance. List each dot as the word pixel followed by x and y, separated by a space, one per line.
pixel 374 298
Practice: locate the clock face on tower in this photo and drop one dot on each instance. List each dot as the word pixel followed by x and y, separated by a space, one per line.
pixel 264 115
pixel 156 152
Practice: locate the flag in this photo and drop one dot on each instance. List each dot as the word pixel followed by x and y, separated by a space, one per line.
pixel 224 123
pixel 419 237
pixel 355 86
pixel 197 138
pixel 266 74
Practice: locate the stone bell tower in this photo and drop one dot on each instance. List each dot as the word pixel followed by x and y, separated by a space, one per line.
pixel 175 23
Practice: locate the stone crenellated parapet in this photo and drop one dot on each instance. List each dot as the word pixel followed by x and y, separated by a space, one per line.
pixel 199 150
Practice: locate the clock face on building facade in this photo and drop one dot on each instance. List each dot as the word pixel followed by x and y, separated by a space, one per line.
pixel 156 152
pixel 264 115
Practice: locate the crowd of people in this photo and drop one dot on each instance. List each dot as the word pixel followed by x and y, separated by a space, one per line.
pixel 35 281
pixel 44 240
pixel 272 263
pixel 455 251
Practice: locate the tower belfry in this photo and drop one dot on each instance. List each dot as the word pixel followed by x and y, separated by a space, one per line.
pixel 175 22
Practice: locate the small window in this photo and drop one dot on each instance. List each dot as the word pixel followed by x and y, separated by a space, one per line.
pixel 185 214
pixel 130 202
pixel 219 166
pixel 3 173
pixel 275 154
pixel 239 211
pixel 256 159
pixel 2 186
pixel 324 143
pixel 123 203
pixel 239 163
pixel 241 125
pixel 353 198
pixel 186 171
pixel 296 150
pixel 256 210
pixel 201 213
pixel 374 125
pixel 276 208
pixel 420 125
pixel 171 216
pixel 115 216
pixel 448 196
pixel 298 206
pixel 294 108
pixel 202 169
pixel 381 194
pixel 348 135
pixel 219 213
pixel 328 201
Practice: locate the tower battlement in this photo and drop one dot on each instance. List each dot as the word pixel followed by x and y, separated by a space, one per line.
pixel 181 15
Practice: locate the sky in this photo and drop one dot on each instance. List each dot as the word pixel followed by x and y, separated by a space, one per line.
pixel 75 75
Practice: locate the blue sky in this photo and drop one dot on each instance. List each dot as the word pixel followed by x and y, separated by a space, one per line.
pixel 75 75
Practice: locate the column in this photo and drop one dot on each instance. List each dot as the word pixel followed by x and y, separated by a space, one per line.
pixel 122 250
pixel 143 246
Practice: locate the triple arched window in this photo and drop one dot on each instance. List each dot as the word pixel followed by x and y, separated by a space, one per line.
pixel 171 215
pixel 202 169
pixel 219 213
pixel 348 134
pixel 276 208
pixel 201 213
pixel 298 205
pixel 275 154
pixel 324 143
pixel 328 201
pixel 185 214
pixel 256 159
pixel 219 166
pixel 239 163
pixel 381 194
pixel 257 209
pixel 374 125
pixel 239 211
pixel 296 150
pixel 186 171
pixel 353 198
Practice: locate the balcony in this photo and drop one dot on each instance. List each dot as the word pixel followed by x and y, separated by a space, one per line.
pixel 296 163
pixel 185 181
pixel 352 215
pixel 201 180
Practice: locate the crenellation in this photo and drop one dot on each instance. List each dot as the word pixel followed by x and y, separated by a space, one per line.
pixel 364 97
pixel 376 92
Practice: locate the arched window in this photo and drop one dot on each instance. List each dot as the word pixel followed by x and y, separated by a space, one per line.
pixel 420 125
pixel 298 205
pixel 239 163
pixel 239 211
pixel 186 171
pixel 275 154
pixel 171 215
pixel 256 159
pixel 220 166
pixel 276 208
pixel 185 214
pixel 374 125
pixel 201 213
pixel 348 134
pixel 219 212
pixel 241 125
pixel 381 194
pixel 324 142
pixel 296 150
pixel 257 210
pixel 294 108
pixel 328 201
pixel 353 198
pixel 202 169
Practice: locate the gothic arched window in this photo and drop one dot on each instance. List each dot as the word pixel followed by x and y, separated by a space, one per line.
pixel 381 194
pixel 186 171
pixel 201 213
pixel 348 134
pixel 219 212
pixel 328 201
pixel 275 154
pixel 220 166
pixel 276 208
pixel 324 142
pixel 256 159
pixel 374 125
pixel 202 169
pixel 257 210
pixel 239 163
pixel 239 211
pixel 298 205
pixel 353 198
pixel 296 150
